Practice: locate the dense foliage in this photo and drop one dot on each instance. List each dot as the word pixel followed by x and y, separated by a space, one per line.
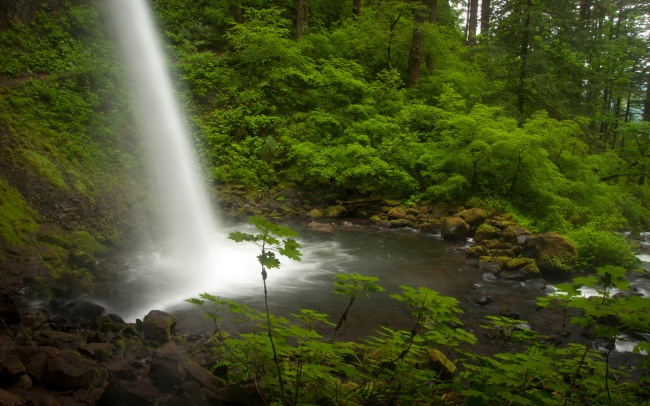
pixel 546 124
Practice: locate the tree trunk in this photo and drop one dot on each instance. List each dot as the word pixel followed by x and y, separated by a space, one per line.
pixel 646 102
pixel 301 20
pixel 356 7
pixel 486 11
pixel 415 55
pixel 472 23
pixel 433 19
pixel 523 55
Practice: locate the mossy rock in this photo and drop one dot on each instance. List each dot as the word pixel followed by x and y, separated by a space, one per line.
pixel 412 212
pixel 53 239
pixel 335 211
pixel 401 223
pixel 552 252
pixel 397 212
pixel 455 229
pixel 478 251
pixel 84 241
pixel 486 232
pixel 473 217
pixel 517 263
pixel 391 202
pixel 437 362
pixel 376 219
pixel 79 259
pixel 315 214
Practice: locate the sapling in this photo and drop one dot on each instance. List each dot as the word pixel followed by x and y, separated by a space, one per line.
pixel 271 238
pixel 353 285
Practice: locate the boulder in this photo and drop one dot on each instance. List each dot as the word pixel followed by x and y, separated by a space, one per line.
pixel 9 310
pixel 486 232
pixel 437 362
pixel 455 229
pixel 397 212
pixel 481 299
pixel 323 227
pixel 98 351
pixel 159 326
pixel 401 223
pixel 35 360
pixel 79 259
pixel 512 232
pixel 123 393
pixel 58 339
pixel 194 372
pixel 82 309
pixel 315 214
pixel 9 399
pixel 167 370
pixel 6 346
pixel 478 251
pixel 515 264
pixel 473 217
pixel 36 319
pixel 552 252
pixel 335 211
pixel 11 369
pixel 69 370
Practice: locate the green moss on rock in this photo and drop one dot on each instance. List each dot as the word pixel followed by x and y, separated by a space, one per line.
pixel 17 219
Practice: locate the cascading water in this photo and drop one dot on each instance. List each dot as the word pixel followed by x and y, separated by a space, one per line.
pixel 188 262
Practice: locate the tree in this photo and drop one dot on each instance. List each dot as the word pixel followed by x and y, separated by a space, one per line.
pixel 472 22
pixel 301 18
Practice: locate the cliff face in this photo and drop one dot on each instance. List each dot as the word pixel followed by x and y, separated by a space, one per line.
pixel 68 156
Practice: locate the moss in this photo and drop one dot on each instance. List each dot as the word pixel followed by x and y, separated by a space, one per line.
pixel 86 242
pixel 46 168
pixel 17 219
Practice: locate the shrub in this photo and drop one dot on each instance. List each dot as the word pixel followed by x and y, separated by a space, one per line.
pixel 598 248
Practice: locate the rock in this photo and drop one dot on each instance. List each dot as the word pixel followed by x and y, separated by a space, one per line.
pixel 551 251
pixel 159 326
pixel 35 360
pixel 119 368
pixel 6 346
pixel 384 224
pixel 46 401
pixel 477 251
pixel 506 311
pixel 512 232
pixel 9 310
pixel 82 309
pixel 454 229
pixel 166 369
pixel 431 226
pixel 401 223
pixel 323 227
pixel 58 339
pixel 538 284
pixel 97 351
pixel 79 259
pixel 397 212
pixel 335 211
pixel 123 393
pixel 486 232
pixel 36 319
pixel 391 202
pixel 412 212
pixel 69 370
pixel 473 217
pixel 194 372
pixel 515 264
pixel 315 214
pixel 437 362
pixel 9 399
pixel 11 369
pixel 481 299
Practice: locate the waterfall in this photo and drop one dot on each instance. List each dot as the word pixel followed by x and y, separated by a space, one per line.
pixel 185 214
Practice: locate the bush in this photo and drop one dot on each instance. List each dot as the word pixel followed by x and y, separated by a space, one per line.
pixel 597 248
